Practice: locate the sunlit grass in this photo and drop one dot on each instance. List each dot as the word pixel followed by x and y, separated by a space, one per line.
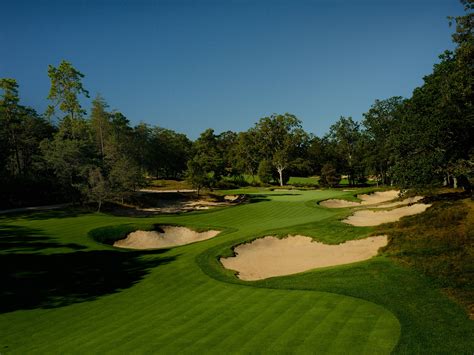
pixel 182 300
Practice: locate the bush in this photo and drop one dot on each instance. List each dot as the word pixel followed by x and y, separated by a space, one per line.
pixel 329 176
pixel 265 171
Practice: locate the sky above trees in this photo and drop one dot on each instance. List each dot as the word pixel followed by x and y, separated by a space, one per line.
pixel 190 65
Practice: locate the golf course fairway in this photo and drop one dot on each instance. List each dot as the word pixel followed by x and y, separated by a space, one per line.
pixel 65 292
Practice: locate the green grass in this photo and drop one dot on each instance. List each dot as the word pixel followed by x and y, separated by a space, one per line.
pixel 304 181
pixel 63 292
pixel 163 184
pixel 440 243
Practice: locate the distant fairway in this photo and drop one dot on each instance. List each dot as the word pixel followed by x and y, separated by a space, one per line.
pixel 63 292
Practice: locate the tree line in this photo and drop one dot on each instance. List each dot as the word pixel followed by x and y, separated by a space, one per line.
pixel 65 153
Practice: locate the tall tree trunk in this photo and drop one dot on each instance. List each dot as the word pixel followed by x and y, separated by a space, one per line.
pixel 280 172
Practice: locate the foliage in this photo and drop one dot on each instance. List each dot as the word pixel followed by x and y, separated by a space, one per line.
pixel 265 171
pixel 66 86
pixel 208 160
pixel 197 175
pixel 347 139
pixel 329 176
pixel 170 152
pixel 97 190
pixel 379 126
pixel 281 139
pixel 435 128
pixel 246 153
pixel 421 141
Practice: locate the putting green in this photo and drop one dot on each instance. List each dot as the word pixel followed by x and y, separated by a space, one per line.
pixel 68 293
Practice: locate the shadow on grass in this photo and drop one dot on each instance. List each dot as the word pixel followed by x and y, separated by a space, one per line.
pixel 22 239
pixel 48 214
pixel 30 281
pixel 448 197
pixel 36 271
pixel 254 198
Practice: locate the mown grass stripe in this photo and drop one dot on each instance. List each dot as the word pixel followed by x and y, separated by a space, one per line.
pixel 177 307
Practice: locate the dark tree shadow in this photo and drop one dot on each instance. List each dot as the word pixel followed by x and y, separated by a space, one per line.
pixel 37 271
pixel 23 239
pixel 448 196
pixel 257 198
pixel 32 281
pixel 254 198
pixel 48 214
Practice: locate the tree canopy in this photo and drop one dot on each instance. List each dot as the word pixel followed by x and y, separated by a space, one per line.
pixel 423 140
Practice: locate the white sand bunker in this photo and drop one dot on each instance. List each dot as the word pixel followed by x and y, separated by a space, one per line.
pixel 168 236
pixel 378 197
pixel 334 203
pixel 374 218
pixel 367 199
pixel 270 256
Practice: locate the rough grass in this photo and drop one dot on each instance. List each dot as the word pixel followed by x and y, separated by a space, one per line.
pixel 90 297
pixel 440 243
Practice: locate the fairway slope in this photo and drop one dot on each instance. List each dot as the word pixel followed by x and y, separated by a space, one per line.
pixel 269 256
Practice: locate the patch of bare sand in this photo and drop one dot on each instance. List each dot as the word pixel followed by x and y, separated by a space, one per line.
pixel 270 256
pixel 378 197
pixel 374 218
pixel 367 199
pixel 169 236
pixel 335 203
pixel 232 198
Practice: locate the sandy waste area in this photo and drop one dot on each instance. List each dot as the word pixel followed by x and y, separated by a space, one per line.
pixel 170 237
pixel 270 256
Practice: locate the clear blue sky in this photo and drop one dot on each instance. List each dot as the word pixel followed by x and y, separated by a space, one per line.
pixel 190 65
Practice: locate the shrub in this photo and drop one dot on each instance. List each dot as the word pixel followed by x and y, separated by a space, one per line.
pixel 329 176
pixel 265 171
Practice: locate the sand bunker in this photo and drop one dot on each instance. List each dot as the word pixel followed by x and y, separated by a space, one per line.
pixel 334 203
pixel 374 218
pixel 185 205
pixel 378 197
pixel 367 199
pixel 270 256
pixel 232 198
pixel 168 236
